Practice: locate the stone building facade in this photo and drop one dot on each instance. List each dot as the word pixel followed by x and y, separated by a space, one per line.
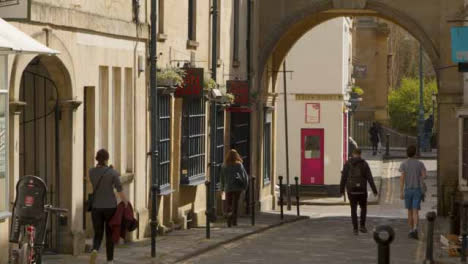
pixel 94 94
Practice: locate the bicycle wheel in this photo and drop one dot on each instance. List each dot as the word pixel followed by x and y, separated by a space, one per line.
pixel 24 256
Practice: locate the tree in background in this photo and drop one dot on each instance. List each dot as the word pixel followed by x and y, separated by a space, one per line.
pixel 404 104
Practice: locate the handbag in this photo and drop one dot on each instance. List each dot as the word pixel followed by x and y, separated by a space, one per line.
pixel 90 202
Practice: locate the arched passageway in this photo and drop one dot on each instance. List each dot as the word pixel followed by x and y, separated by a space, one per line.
pixel 281 23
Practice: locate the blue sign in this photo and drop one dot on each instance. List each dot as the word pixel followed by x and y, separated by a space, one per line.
pixel 460 44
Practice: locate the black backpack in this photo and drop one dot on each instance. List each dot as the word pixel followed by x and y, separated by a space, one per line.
pixel 356 180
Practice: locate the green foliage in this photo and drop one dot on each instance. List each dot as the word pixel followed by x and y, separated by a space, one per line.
pixel 209 84
pixel 171 75
pixel 357 90
pixel 403 104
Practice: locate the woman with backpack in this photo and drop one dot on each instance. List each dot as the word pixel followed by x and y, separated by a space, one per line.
pixel 104 203
pixel 234 180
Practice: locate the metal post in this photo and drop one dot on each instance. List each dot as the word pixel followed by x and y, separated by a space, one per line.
pixel 252 201
pixel 464 232
pixel 298 200
pixel 431 216
pixel 286 138
pixel 384 236
pixel 154 129
pixel 421 102
pixel 281 196
pixel 387 146
pixel 213 107
pixel 207 211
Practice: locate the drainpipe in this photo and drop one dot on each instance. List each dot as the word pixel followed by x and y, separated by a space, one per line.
pixel 154 129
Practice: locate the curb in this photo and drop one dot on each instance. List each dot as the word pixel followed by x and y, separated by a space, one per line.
pixel 222 243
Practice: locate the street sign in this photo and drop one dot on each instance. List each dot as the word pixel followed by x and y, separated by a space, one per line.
pixel 459 44
pixel 15 9
pixel 193 83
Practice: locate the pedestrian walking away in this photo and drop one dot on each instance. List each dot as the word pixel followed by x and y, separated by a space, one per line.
pixel 374 137
pixel 412 188
pixel 234 180
pixel 428 126
pixel 104 203
pixel 355 176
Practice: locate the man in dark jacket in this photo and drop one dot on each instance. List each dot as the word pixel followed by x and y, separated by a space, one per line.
pixel 355 176
pixel 374 133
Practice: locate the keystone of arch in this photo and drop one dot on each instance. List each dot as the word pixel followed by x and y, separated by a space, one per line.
pixel 349 4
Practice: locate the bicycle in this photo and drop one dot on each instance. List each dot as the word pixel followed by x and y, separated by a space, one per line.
pixel 29 221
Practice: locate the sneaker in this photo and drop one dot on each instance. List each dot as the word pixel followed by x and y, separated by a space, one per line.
pixel 92 259
pixel 363 229
pixel 355 232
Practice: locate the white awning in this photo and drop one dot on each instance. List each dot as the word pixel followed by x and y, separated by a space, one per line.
pixel 13 40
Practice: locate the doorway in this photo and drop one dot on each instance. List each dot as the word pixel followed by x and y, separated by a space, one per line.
pixel 312 157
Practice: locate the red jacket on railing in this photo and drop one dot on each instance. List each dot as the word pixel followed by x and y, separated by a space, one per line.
pixel 122 222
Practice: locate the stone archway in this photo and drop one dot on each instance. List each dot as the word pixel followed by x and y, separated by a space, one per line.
pixel 280 23
pixel 41 133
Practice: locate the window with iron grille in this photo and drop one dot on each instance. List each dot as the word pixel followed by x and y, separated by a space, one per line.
pixel 193 141
pixel 267 154
pixel 165 150
pixel 220 141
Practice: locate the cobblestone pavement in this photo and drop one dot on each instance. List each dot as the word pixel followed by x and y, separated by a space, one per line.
pixel 327 237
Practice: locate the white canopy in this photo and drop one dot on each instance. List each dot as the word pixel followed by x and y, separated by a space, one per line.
pixel 12 40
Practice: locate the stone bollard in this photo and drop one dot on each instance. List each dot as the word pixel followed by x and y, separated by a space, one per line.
pixel 281 196
pixel 384 236
pixel 298 198
pixel 431 217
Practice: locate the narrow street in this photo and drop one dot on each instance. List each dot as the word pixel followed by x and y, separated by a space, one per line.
pixel 327 236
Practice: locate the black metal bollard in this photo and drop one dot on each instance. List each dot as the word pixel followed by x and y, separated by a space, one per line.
pixel 208 210
pixel 431 217
pixel 464 231
pixel 384 236
pixel 387 145
pixel 281 196
pixel 297 196
pixel 252 202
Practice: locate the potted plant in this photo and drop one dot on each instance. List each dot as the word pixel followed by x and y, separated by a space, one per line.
pixel 209 84
pixel 170 77
pixel 356 92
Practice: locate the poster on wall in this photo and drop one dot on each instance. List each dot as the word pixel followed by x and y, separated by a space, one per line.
pixel 15 9
pixel 312 113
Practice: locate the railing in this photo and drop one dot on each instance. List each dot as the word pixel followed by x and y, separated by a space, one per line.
pixel 397 140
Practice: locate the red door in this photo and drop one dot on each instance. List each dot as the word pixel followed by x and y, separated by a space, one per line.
pixel 312 157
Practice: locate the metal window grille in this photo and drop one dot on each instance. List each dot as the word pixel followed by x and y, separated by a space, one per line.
pixel 219 141
pixel 164 142
pixel 193 141
pixel 267 154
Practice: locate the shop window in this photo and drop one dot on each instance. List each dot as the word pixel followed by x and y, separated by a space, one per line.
pixel 193 169
pixel 267 153
pixel 165 150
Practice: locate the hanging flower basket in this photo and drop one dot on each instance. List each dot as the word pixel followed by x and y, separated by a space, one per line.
pixel 170 77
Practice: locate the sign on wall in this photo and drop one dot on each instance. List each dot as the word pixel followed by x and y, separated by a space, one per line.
pixel 15 9
pixel 459 44
pixel 193 83
pixel 359 71
pixel 240 89
pixel 312 113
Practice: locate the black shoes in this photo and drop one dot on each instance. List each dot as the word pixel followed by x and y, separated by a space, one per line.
pixel 413 234
pixel 355 232
pixel 363 229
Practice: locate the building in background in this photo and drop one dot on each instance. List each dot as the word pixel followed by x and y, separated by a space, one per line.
pixel 372 68
pixel 317 92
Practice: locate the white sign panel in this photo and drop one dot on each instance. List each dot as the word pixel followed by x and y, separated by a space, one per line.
pixel 14 9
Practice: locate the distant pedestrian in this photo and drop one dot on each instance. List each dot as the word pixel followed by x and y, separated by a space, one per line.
pixel 374 133
pixel 413 173
pixel 428 126
pixel 104 180
pixel 355 176
pixel 234 180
